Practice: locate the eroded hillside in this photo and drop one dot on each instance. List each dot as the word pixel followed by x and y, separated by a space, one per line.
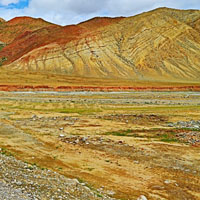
pixel 163 44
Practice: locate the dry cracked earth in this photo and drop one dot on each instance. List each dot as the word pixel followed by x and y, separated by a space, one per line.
pixel 98 145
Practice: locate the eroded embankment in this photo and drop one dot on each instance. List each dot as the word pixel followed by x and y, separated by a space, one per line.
pixel 95 88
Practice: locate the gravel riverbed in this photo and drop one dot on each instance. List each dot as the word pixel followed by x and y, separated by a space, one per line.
pixel 22 181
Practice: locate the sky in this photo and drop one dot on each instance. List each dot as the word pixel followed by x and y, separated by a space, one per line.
pixel 65 12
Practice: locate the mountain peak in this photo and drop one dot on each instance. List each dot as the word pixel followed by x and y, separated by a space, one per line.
pixel 2 20
pixel 26 19
pixel 19 25
pixel 98 22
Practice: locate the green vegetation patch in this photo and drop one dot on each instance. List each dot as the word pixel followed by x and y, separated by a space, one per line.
pixel 121 133
pixel 77 110
pixel 157 134
pixel 168 137
pixel 5 152
pixel 154 108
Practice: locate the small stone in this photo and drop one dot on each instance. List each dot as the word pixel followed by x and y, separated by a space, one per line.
pixel 111 193
pixel 142 197
pixel 19 183
pixel 84 139
pixel 76 141
pixel 61 135
pixel 157 187
pixel 167 181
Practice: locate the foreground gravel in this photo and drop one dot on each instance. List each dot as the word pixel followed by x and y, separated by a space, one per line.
pixel 21 181
pixel 8 192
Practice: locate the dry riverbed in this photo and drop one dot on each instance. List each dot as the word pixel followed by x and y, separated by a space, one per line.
pixel 104 145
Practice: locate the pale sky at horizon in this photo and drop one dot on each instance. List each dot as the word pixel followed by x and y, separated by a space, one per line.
pixel 66 12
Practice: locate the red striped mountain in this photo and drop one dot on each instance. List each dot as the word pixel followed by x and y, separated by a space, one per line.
pixel 163 44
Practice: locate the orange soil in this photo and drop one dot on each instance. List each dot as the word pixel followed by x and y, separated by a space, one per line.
pixel 95 88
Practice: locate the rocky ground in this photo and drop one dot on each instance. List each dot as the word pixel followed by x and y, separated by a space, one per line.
pixel 189 131
pixel 21 181
pixel 192 124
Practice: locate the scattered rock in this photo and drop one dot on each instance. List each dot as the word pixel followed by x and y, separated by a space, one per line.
pixel 61 135
pixel 134 118
pixel 167 181
pixel 186 124
pixel 191 137
pixel 157 187
pixel 93 140
pixel 111 193
pixel 142 197
pixel 21 183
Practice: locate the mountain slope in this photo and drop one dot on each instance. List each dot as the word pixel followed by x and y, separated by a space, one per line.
pixel 163 44
pixel 11 29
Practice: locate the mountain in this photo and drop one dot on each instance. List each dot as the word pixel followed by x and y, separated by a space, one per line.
pixel 2 20
pixel 160 45
pixel 10 30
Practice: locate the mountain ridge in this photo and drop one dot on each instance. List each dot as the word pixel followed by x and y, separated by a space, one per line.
pixel 162 44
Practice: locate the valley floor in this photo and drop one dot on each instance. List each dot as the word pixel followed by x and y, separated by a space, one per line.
pixel 117 144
